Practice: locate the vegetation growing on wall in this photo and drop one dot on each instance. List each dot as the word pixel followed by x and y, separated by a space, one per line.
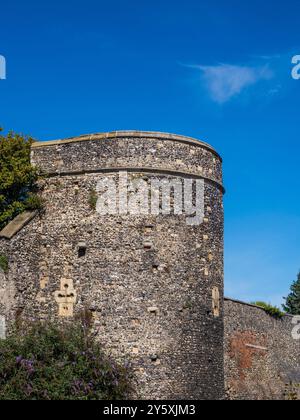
pixel 93 199
pixel 50 363
pixel 3 263
pixel 292 305
pixel 269 309
pixel 17 177
pixel 292 392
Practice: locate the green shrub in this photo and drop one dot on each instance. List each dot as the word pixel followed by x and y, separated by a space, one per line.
pixel 3 263
pixel 269 309
pixel 17 176
pixel 34 202
pixel 292 392
pixel 93 199
pixel 47 362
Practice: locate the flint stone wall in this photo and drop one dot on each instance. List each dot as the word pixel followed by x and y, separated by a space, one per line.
pixel 148 281
pixel 262 359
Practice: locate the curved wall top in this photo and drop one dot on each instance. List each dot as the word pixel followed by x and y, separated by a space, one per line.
pixel 129 150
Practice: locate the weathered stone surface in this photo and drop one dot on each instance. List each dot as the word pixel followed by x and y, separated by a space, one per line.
pixel 262 359
pixel 154 152
pixel 7 301
pixel 2 327
pixel 7 295
pixel 17 224
pixel 66 298
pixel 130 264
pixel 153 284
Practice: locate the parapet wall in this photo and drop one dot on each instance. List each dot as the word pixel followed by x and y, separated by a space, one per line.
pixel 262 359
pixel 129 150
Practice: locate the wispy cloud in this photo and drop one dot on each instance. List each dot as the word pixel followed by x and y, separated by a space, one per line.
pixel 267 57
pixel 225 81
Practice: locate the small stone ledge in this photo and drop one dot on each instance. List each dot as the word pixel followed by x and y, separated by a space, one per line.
pixel 150 171
pixel 17 224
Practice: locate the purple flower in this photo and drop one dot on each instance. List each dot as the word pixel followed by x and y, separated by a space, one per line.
pixel 28 390
pixel 28 365
pixel 127 364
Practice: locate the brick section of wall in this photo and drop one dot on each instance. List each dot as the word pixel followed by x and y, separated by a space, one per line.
pixel 147 280
pixel 262 360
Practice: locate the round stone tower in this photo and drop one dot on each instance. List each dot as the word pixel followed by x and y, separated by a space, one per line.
pixel 133 232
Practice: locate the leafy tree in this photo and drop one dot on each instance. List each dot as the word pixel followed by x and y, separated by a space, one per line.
pixel 17 177
pixel 292 305
pixel 47 362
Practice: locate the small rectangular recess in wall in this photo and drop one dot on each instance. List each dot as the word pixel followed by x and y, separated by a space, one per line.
pixel 153 310
pixel 82 247
pixel 148 229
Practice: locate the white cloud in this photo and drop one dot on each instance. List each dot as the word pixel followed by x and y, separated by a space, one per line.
pixel 226 81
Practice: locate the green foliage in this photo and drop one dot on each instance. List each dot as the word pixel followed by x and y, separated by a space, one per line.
pixel 292 392
pixel 93 199
pixel 34 202
pixel 3 263
pixel 271 310
pixel 292 305
pixel 47 362
pixel 17 176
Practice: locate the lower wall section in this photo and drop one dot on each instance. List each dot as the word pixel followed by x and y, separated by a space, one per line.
pixel 262 359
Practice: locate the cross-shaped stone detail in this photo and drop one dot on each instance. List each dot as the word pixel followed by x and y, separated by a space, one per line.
pixel 66 298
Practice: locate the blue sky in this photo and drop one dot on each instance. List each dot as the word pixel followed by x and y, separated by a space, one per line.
pixel 219 71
